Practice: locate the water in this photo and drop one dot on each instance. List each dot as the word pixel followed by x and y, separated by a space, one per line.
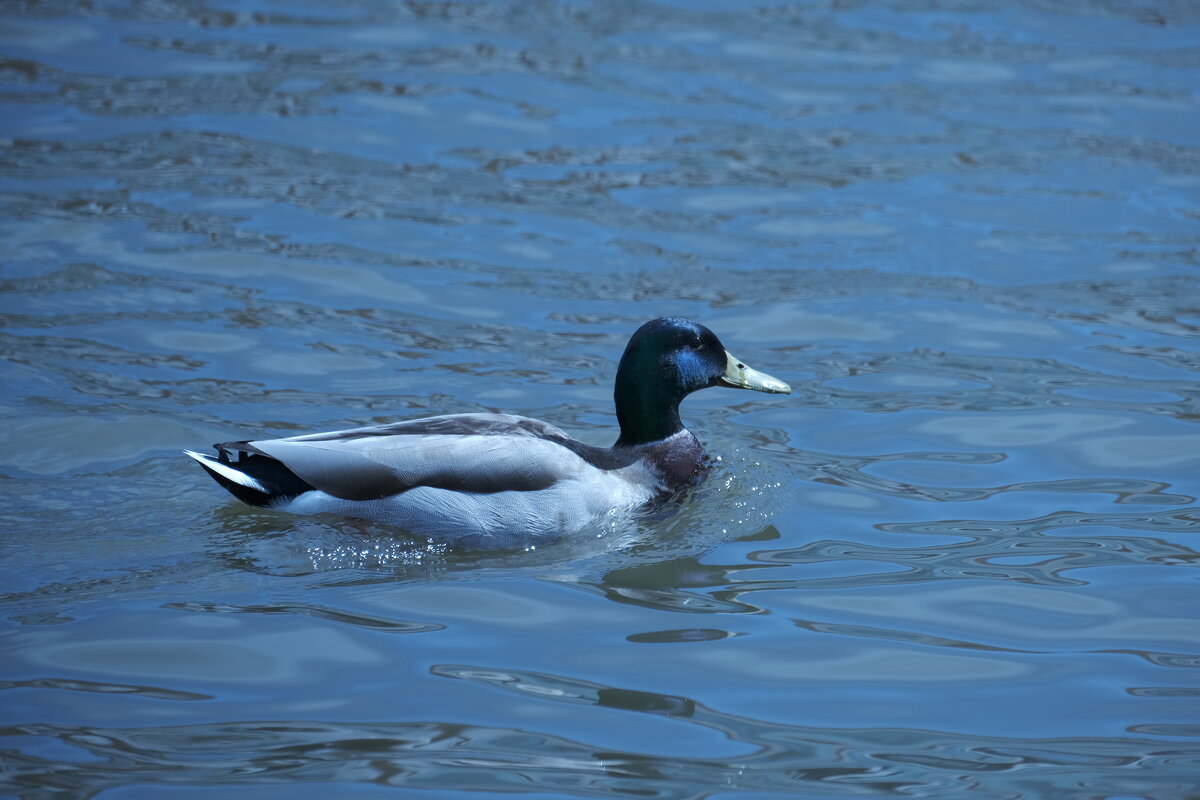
pixel 959 561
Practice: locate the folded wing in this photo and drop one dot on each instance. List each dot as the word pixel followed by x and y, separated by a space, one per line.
pixel 472 453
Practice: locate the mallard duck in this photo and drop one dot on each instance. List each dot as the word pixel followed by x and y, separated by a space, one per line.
pixel 492 481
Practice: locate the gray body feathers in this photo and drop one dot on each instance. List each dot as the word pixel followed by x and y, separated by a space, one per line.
pixel 482 480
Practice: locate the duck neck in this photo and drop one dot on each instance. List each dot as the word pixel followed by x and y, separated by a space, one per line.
pixel 646 413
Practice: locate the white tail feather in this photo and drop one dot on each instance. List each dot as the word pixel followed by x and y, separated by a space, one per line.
pixel 226 471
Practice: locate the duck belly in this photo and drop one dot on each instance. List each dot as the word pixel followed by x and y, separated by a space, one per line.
pixel 488 521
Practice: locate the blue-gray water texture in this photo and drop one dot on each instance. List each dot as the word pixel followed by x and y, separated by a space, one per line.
pixel 959 561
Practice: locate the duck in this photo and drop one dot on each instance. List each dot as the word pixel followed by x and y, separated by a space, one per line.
pixel 492 481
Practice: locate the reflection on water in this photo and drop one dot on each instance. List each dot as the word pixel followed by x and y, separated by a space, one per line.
pixel 957 561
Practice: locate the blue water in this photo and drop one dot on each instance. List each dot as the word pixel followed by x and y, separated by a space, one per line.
pixel 959 561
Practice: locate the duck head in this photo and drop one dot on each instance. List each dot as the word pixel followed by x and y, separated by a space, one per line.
pixel 666 360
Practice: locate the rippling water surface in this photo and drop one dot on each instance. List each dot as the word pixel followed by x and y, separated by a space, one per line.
pixel 959 561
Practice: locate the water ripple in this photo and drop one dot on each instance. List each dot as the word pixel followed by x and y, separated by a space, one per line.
pixel 67 684
pixel 762 756
pixel 310 610
pixel 842 470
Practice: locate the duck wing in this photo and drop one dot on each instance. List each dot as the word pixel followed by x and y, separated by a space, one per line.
pixel 470 453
